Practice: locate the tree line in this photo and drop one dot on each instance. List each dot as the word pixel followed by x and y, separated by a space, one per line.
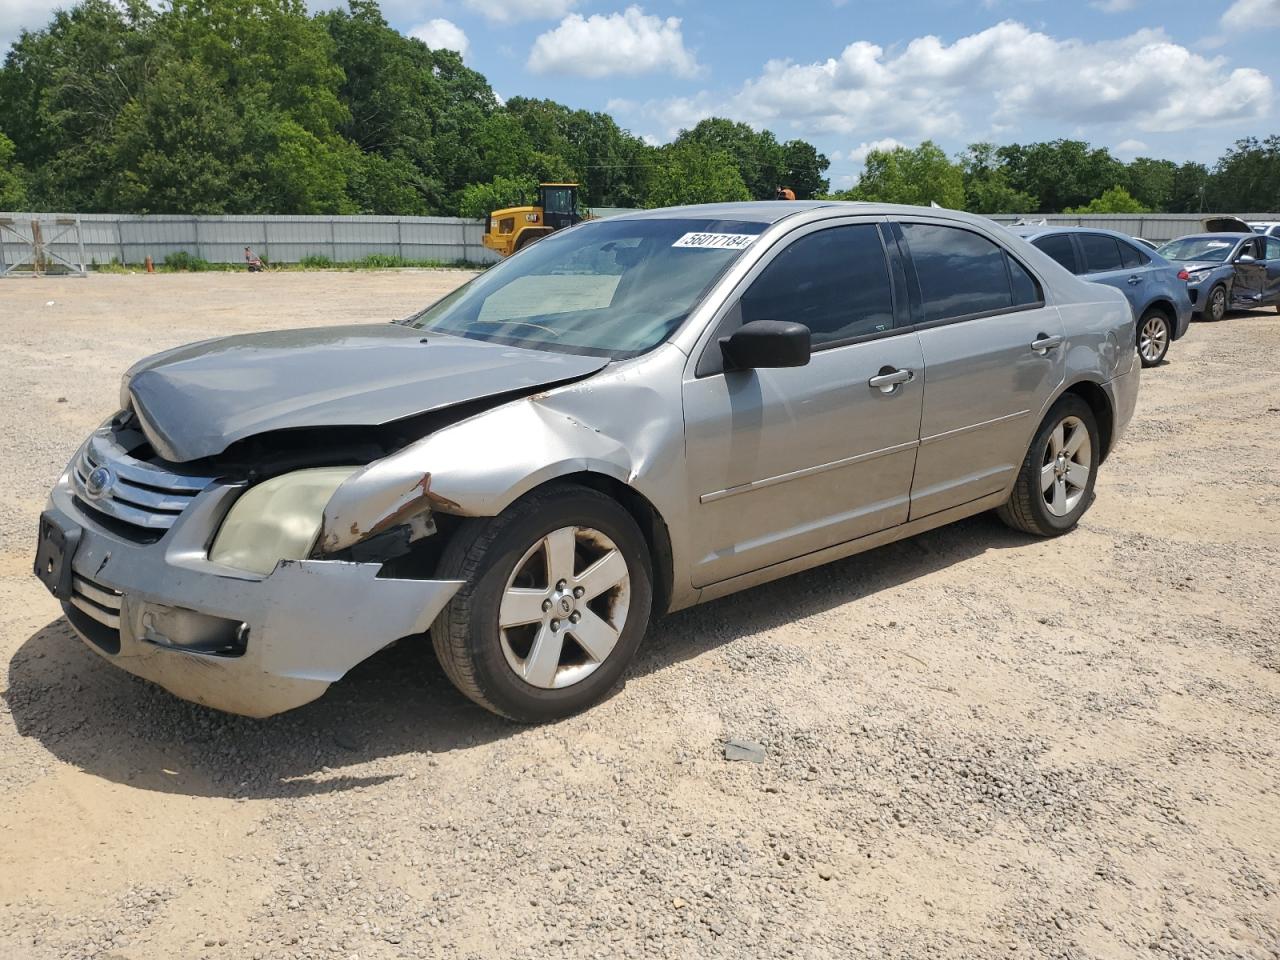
pixel 257 106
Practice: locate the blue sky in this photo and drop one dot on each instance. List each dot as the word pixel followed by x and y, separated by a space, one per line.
pixel 1172 79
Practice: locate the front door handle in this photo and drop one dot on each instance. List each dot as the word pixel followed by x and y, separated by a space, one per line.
pixel 1043 343
pixel 888 379
pixel 1135 279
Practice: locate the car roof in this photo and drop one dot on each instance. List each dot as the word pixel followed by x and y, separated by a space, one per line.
pixel 753 211
pixel 1028 230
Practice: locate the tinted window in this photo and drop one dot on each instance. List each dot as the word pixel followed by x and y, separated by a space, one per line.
pixel 1025 289
pixel 1059 246
pixel 835 282
pixel 960 272
pixel 1273 248
pixel 1131 256
pixel 1101 253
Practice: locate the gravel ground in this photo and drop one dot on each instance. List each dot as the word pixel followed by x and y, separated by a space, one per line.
pixel 976 744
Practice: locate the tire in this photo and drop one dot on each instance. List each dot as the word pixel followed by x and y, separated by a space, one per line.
pixel 1215 306
pixel 1036 508
pixel 1154 335
pixel 508 569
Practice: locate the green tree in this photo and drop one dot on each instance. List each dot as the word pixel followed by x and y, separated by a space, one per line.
pixel 13 180
pixel 986 185
pixel 1247 176
pixel 803 168
pixel 1115 200
pixel 759 157
pixel 1189 188
pixel 920 176
pixel 1060 173
pixel 1151 182
pixel 690 173
pixel 481 199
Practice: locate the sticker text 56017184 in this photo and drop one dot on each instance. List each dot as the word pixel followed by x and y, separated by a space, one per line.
pixel 715 241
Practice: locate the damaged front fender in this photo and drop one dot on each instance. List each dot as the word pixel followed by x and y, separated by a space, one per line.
pixel 478 467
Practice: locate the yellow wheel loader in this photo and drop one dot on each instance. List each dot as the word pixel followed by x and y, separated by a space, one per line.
pixel 509 230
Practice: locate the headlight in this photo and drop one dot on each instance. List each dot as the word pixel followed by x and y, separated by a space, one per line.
pixel 279 519
pixel 1196 276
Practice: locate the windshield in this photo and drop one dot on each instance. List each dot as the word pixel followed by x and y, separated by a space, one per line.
pixel 613 288
pixel 1197 248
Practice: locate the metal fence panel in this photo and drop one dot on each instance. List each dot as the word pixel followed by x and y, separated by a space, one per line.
pixel 131 238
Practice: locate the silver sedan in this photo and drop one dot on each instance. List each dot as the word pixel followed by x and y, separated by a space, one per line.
pixel 627 418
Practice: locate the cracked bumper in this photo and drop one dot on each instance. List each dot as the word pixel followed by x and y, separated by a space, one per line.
pixel 297 630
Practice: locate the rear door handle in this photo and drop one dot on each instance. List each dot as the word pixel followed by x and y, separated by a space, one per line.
pixel 1044 343
pixel 888 379
pixel 1135 279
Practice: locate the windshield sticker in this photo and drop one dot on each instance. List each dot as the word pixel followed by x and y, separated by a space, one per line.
pixel 716 241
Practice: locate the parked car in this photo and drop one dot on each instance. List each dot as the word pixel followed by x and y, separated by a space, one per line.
pixel 1268 228
pixel 1226 270
pixel 1155 288
pixel 1149 244
pixel 629 417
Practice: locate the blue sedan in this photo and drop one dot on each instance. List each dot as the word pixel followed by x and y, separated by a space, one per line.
pixel 1156 288
pixel 1226 270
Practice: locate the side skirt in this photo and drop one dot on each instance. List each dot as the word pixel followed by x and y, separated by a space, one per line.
pixel 841 550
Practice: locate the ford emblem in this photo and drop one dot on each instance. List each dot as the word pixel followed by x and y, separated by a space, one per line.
pixel 98 482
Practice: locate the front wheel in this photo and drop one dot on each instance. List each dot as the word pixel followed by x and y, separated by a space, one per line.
pixel 1216 308
pixel 1154 335
pixel 556 598
pixel 1055 483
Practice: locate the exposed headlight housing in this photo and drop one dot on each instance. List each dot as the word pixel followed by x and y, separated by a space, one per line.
pixel 279 519
pixel 1196 276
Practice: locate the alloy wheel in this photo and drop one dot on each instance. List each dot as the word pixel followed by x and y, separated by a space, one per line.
pixel 564 607
pixel 1153 339
pixel 1064 475
pixel 1218 304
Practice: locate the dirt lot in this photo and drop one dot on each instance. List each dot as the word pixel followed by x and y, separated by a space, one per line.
pixel 979 745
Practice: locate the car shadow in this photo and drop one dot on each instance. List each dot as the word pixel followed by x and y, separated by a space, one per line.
pixel 113 725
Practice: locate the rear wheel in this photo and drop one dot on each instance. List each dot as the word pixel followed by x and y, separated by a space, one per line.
pixel 556 598
pixel 1055 483
pixel 1153 337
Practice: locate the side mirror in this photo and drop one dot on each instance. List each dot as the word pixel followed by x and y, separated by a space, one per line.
pixel 1246 258
pixel 766 343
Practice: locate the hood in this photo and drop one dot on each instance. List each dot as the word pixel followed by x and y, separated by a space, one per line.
pixel 1225 224
pixel 197 400
pixel 1191 266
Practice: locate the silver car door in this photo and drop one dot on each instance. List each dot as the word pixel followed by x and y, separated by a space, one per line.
pixel 783 462
pixel 994 355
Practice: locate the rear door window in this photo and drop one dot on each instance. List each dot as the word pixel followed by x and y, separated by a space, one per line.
pixel 1026 291
pixel 1101 253
pixel 1060 247
pixel 960 272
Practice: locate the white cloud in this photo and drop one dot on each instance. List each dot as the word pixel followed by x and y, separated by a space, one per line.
pixel 858 155
pixel 1250 15
pixel 1133 147
pixel 510 11
pixel 999 77
pixel 628 43
pixel 1114 6
pixel 441 34
pixel 15 15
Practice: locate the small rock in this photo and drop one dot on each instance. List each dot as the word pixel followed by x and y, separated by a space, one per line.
pixel 744 750
pixel 678 903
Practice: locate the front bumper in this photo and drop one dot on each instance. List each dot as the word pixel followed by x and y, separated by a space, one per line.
pixel 154 606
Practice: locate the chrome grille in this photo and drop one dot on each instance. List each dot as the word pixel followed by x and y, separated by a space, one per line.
pixel 96 601
pixel 140 494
